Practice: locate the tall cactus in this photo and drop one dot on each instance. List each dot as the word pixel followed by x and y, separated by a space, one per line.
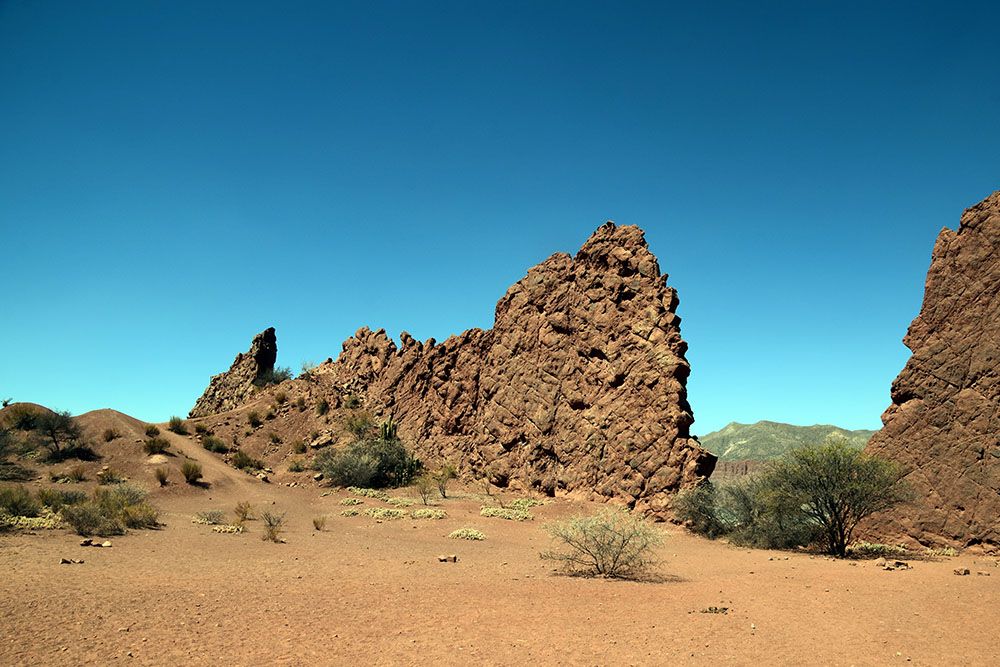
pixel 387 430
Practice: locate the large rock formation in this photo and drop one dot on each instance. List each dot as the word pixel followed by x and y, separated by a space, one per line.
pixel 944 422
pixel 579 385
pixel 249 370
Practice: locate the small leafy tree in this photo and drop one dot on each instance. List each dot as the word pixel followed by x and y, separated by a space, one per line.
pixel 59 431
pixel 443 476
pixel 837 486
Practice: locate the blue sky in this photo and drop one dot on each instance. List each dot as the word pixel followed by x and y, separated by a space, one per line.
pixel 177 176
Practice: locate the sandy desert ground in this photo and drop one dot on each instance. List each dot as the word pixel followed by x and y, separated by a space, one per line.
pixel 375 593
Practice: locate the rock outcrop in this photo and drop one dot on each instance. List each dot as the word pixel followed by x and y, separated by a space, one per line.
pixel 250 369
pixel 943 426
pixel 579 386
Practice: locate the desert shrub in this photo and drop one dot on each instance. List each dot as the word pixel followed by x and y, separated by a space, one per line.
pixel 352 501
pixel 23 417
pixel 698 508
pixel 300 403
pixel 385 513
pixel 319 522
pixel 177 425
pixel 210 518
pixel 274 438
pixel 244 461
pixel 254 419
pixel 612 543
pixel 351 401
pixel 61 435
pixel 322 406
pixel 56 499
pixel 280 398
pixel 428 513
pixel 273 525
pixel 505 513
pixel 350 512
pixel 111 511
pixel 152 430
pixel 306 370
pixel 425 487
pixel 524 504
pixel 18 501
pixel 214 444
pixel 368 493
pixel 156 445
pixel 277 375
pixel 110 434
pixel 299 447
pixel 359 424
pixel 202 429
pixel 296 465
pixel 372 462
pixel 399 502
pixel 873 550
pixel 443 476
pixel 76 474
pixel 162 476
pixel 270 414
pixel 467 534
pixel 244 511
pixel 109 476
pixel 191 471
pixel 231 529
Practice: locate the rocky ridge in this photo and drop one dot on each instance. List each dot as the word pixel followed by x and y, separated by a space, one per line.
pixel 944 421
pixel 579 387
pixel 237 385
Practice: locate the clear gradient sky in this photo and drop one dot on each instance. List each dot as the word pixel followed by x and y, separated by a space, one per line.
pixel 177 176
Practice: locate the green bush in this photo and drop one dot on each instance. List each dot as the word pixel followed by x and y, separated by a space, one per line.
pixel 274 438
pixel 202 429
pixel 385 513
pixel 299 447
pixel 210 518
pixel 109 476
pixel 280 398
pixel 359 424
pixel 524 504
pixel 214 444
pixel 56 499
pixel 375 463
pixel 612 543
pixel 17 501
pixel 191 471
pixel 243 461
pixel 425 487
pixel 177 426
pixel 111 511
pixel 443 476
pixel 296 465
pixel 428 513
pixel 254 419
pixel 352 501
pixel 322 406
pixel 156 445
pixel 152 430
pixel 162 476
pixel 277 375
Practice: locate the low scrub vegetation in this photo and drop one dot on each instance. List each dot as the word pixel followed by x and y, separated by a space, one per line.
pixel 350 512
pixel 111 510
pixel 210 518
pixel 109 476
pixel 156 445
pixel 214 444
pixel 18 501
pixel 443 476
pixel 428 513
pixel 505 513
pixel 191 472
pixel 245 462
pixel 177 425
pixel 352 501
pixel 399 502
pixel 110 434
pixel 273 526
pixel 377 494
pixel 162 476
pixel 613 543
pixel 813 494
pixel 467 534
pixel 319 522
pixel 385 513
pixel 56 499
pixel 372 461
pixel 244 511
pixel 524 504
pixel 152 430
pixel 296 465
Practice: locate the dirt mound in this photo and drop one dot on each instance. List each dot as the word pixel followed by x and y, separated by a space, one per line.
pixel 943 422
pixel 578 387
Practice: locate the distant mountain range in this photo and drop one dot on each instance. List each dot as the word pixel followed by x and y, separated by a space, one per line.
pixel 766 440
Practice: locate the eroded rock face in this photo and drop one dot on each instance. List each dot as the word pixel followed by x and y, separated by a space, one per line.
pixel 579 385
pixel 944 423
pixel 231 389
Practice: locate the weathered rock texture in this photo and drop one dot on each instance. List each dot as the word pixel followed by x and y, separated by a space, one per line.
pixel 579 385
pixel 944 423
pixel 231 389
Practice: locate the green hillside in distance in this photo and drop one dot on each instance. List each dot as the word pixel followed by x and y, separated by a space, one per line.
pixel 766 440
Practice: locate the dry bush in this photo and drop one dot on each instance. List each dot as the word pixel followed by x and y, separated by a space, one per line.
pixel 443 476
pixel 425 487
pixel 191 472
pixel 111 511
pixel 244 511
pixel 17 501
pixel 152 431
pixel 210 518
pixel 162 476
pixel 177 425
pixel 273 525
pixel 612 543
pixel 467 534
pixel 505 513
pixel 319 522
pixel 156 445
pixel 214 444
pixel 110 434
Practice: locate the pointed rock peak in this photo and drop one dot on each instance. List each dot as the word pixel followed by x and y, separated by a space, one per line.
pixel 619 248
pixel 249 370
